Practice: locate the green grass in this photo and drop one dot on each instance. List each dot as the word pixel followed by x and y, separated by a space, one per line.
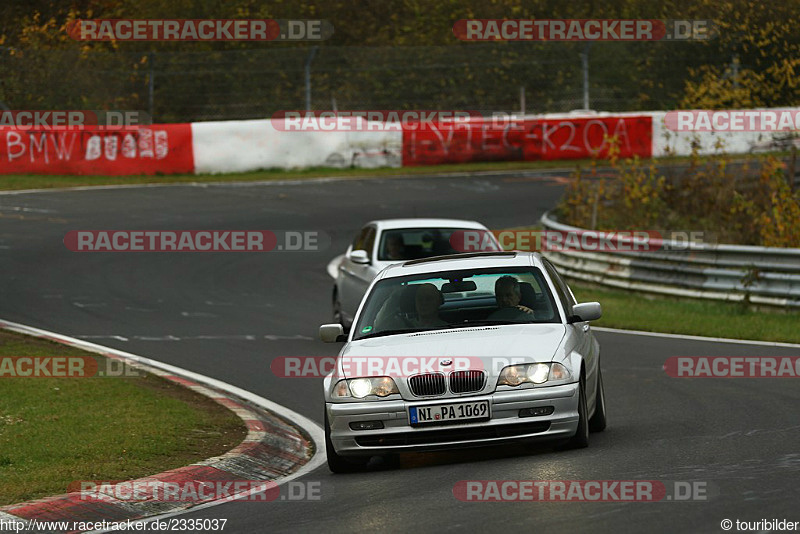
pixel 43 181
pixel 635 311
pixel 31 181
pixel 54 431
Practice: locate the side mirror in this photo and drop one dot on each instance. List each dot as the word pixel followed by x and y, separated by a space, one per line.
pixel 331 333
pixel 587 311
pixel 359 256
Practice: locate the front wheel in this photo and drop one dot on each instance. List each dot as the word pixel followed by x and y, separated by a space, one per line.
pixel 598 421
pixel 338 317
pixel 337 309
pixel 581 438
pixel 336 462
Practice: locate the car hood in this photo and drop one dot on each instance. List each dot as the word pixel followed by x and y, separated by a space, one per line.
pixel 492 347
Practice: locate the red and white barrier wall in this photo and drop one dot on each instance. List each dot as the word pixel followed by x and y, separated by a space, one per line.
pixel 159 149
pixel 241 146
pixel 667 142
pixel 546 137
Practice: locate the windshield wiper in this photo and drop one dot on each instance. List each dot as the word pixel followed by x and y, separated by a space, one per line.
pixel 388 333
pixel 441 327
pixel 485 322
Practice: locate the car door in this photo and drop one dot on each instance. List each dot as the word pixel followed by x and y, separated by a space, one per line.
pixel 355 277
pixel 586 345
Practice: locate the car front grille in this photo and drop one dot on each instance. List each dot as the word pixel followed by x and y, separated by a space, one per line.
pixel 427 385
pixel 466 381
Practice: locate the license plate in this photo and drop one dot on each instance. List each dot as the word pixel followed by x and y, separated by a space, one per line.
pixel 446 413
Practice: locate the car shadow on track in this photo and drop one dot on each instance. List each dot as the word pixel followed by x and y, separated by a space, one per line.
pixel 479 454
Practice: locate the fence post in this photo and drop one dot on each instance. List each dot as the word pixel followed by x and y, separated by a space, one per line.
pixel 309 59
pixel 150 83
pixel 585 66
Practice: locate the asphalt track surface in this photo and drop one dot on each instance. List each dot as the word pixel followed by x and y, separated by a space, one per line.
pixel 227 315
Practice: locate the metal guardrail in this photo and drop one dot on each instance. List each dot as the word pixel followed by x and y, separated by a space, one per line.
pixel 760 275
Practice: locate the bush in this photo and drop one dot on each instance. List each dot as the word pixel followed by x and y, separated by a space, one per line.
pixel 747 203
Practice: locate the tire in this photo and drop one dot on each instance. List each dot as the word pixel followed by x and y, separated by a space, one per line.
pixel 337 312
pixel 581 438
pixel 336 462
pixel 391 461
pixel 598 421
pixel 337 308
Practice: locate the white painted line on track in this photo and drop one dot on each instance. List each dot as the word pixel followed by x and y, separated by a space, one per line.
pixel 333 266
pixel 170 337
pixel 311 428
pixel 698 338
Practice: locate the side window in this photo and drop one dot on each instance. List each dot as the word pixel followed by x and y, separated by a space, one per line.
pixel 564 295
pixel 369 240
pixel 565 288
pixel 359 241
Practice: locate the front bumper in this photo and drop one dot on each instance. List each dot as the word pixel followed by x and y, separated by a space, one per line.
pixel 505 423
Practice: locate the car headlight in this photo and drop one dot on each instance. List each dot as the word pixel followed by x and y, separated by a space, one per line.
pixel 359 388
pixel 533 373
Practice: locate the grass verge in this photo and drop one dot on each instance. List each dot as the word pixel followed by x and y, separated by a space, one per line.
pixel 10 182
pixel 32 181
pixel 636 311
pixel 54 431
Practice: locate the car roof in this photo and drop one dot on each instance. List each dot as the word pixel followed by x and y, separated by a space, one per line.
pixel 392 224
pixel 470 260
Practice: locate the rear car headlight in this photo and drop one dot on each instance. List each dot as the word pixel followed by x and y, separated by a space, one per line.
pixel 359 388
pixel 533 373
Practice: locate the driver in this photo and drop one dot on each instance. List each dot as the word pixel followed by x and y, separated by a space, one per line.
pixel 395 247
pixel 427 301
pixel 508 295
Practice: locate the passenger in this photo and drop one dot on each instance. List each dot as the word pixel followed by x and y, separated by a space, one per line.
pixel 508 294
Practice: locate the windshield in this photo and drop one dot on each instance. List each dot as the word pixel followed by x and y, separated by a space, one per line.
pixel 415 243
pixel 456 299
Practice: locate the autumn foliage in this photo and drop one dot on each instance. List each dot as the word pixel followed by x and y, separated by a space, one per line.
pixel 748 202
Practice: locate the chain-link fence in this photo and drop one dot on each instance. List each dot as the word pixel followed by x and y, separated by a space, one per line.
pixel 254 83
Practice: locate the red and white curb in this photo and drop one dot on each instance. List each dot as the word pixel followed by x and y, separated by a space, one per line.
pixel 281 445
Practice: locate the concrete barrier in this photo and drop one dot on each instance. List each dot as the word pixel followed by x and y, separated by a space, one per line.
pixel 252 145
